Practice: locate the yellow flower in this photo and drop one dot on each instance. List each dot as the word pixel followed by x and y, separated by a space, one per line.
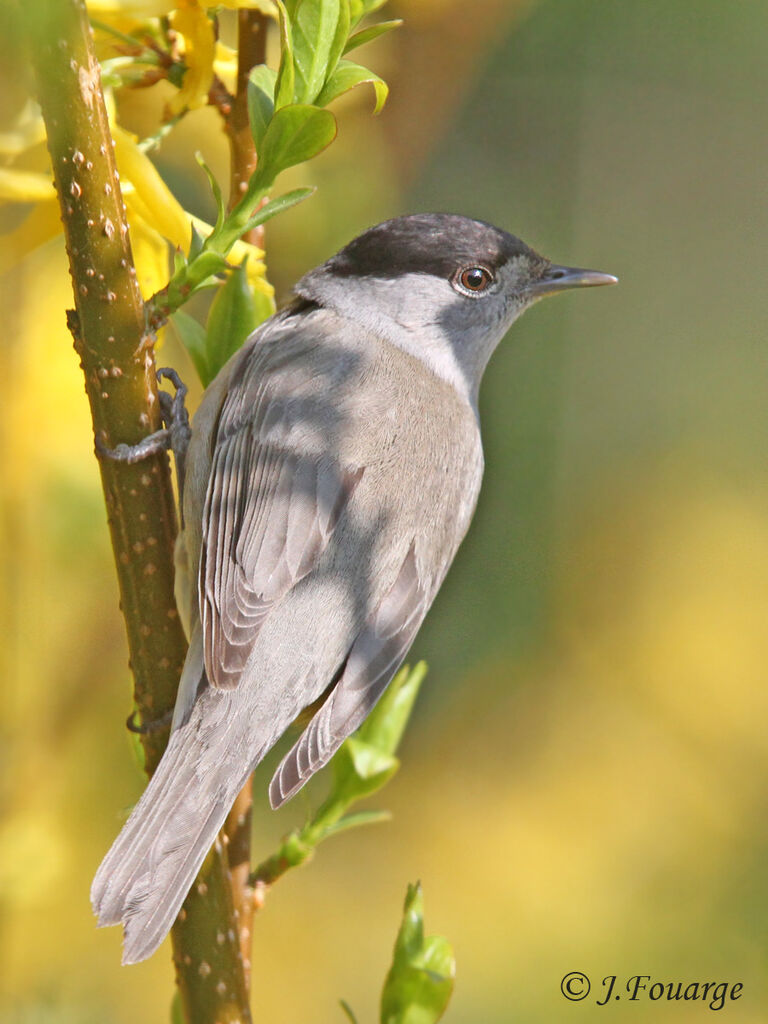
pixel 191 21
pixel 265 6
pixel 150 198
pixel 22 186
pixel 155 215
pixel 152 202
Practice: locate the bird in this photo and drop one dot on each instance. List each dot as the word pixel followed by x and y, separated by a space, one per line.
pixel 333 470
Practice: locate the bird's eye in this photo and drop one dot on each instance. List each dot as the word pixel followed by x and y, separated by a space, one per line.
pixel 473 279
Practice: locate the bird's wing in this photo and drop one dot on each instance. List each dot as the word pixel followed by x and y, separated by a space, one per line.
pixel 375 656
pixel 273 498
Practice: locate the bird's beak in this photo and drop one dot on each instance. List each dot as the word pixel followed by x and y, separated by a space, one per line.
pixel 556 279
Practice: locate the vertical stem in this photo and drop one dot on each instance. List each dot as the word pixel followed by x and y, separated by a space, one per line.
pixel 117 356
pixel 251 50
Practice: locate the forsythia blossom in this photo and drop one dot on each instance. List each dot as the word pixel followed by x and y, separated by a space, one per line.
pixel 155 216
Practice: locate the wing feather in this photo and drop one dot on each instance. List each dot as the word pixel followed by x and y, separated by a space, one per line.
pixel 270 509
pixel 375 656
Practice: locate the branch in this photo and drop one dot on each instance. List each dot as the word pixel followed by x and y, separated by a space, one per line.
pixel 117 357
pixel 251 51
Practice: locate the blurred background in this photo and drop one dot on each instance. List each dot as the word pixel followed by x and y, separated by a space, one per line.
pixel 584 780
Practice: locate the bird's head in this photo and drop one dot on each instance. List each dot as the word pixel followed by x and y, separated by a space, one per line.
pixel 444 287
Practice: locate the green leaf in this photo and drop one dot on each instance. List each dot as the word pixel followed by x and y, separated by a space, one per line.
pixel 220 208
pixel 196 244
pixel 296 133
pixel 231 319
pixel 359 770
pixel 367 35
pixel 189 278
pixel 359 8
pixel 286 74
pixel 192 336
pixel 384 727
pixel 355 821
pixel 261 100
pixel 348 1011
pixel 263 306
pixel 346 76
pixel 339 40
pixel 316 31
pixel 356 11
pixel 419 984
pixel 275 206
pixel 179 260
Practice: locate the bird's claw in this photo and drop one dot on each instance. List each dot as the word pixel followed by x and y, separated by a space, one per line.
pixel 175 433
pixel 147 727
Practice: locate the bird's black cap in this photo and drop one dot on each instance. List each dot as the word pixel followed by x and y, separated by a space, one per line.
pixel 427 243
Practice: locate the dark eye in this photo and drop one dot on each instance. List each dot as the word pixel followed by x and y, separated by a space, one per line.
pixel 473 279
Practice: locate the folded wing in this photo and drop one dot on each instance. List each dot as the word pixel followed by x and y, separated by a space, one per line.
pixel 272 504
pixel 375 656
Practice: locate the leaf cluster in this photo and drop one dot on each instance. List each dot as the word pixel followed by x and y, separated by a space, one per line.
pixel 419 984
pixel 290 125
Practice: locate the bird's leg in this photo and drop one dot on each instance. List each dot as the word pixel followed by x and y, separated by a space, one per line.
pixel 174 434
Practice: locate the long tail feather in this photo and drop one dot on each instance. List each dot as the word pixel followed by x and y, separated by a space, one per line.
pixel 145 876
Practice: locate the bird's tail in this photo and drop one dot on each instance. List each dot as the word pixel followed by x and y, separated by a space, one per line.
pixel 144 878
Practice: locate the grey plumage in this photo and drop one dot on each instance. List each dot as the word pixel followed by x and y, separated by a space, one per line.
pixel 333 470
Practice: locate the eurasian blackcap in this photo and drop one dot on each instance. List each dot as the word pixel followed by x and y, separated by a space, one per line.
pixel 333 470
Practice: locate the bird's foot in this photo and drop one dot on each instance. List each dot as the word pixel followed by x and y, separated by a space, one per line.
pixel 175 433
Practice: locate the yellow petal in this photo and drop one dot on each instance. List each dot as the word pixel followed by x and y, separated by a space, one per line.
pixel 25 186
pixel 255 272
pixel 42 223
pixel 27 131
pixel 136 10
pixel 225 65
pixel 150 255
pixel 192 22
pixel 265 6
pixel 159 206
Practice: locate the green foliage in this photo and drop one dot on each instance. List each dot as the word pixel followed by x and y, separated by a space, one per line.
pixel 286 74
pixel 346 76
pixel 296 133
pixel 363 764
pixel 231 319
pixel 289 126
pixel 348 1011
pixel 420 981
pixel 321 28
pixel 367 35
pixel 234 313
pixel 192 335
pixel 261 100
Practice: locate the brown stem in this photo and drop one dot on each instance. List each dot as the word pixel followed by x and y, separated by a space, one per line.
pixel 117 356
pixel 251 51
pixel 237 830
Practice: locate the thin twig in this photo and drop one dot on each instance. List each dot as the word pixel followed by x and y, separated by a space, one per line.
pixel 251 51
